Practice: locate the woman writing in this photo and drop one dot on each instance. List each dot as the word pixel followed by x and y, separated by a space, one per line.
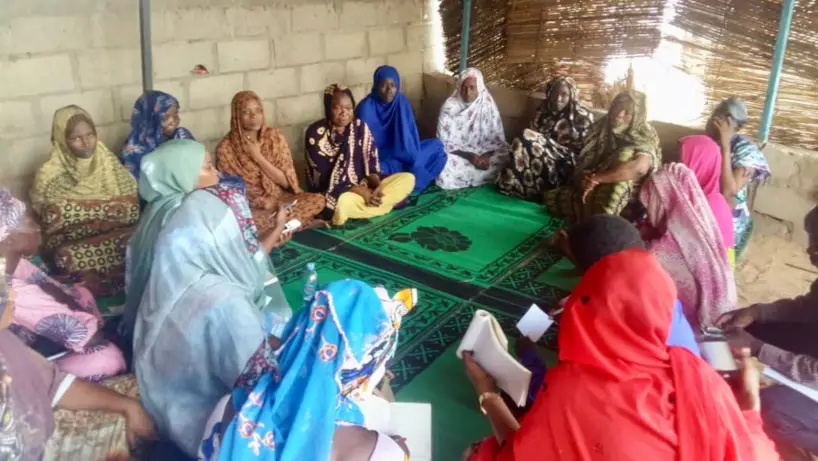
pixel 261 156
pixel 545 157
pixel 472 133
pixel 343 164
pixel 619 392
pixel 620 150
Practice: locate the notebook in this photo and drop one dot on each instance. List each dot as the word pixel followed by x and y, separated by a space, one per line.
pixel 410 421
pixel 489 346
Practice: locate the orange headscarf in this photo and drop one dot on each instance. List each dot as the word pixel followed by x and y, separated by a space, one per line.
pixel 619 393
pixel 233 158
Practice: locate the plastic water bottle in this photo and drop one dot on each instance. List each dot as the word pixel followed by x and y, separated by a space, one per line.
pixel 310 283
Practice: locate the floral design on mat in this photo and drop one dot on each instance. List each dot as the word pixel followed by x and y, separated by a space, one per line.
pixel 435 238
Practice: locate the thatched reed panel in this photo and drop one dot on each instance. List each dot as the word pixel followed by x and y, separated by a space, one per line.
pixel 523 43
pixel 729 44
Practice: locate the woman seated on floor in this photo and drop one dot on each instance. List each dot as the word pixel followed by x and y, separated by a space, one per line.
pixel 343 164
pixel 388 113
pixel 87 203
pixel 260 155
pixel 472 133
pixel 200 318
pixel 620 150
pixel 545 157
pixel 744 164
pixel 701 154
pixel 31 388
pixel 619 392
pixel 683 234
pixel 587 243
pixel 782 335
pixel 173 170
pixel 66 315
pixel 306 401
pixel 155 119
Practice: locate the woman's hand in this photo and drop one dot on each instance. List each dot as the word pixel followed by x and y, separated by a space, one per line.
pixel 589 183
pixel 139 425
pixel 253 148
pixel 375 197
pixel 741 318
pixel 283 216
pixel 362 190
pixel 749 381
pixel 482 162
pixel 481 380
pixel 740 339
pixel 724 128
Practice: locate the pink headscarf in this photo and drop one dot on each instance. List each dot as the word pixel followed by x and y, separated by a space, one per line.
pixel 702 155
pixel 691 247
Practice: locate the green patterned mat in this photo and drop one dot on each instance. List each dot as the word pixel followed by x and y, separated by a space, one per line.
pixel 426 352
pixel 475 236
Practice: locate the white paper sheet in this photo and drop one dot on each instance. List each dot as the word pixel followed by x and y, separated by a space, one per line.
pixel 412 421
pixel 534 323
pixel 775 375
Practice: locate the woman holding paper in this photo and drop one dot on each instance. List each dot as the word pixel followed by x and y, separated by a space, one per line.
pixel 303 402
pixel 619 392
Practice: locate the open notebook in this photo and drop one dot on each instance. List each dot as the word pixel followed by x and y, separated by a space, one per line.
pixel 411 421
pixel 489 345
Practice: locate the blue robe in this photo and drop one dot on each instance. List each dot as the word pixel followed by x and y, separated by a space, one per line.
pixel 396 134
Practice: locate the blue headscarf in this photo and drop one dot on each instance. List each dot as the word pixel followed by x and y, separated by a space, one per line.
pixel 392 124
pixel 146 128
pixel 288 411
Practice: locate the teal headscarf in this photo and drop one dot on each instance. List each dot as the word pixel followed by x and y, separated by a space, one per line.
pixel 168 174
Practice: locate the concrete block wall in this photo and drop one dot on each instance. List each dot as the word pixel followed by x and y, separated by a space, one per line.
pixel 779 206
pixel 86 52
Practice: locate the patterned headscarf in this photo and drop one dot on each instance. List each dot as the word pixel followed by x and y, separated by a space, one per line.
pixel 604 145
pixel 232 157
pixel 65 176
pixel 12 212
pixel 289 408
pixel 471 127
pixel 691 248
pixel 146 128
pixel 337 162
pixel 568 125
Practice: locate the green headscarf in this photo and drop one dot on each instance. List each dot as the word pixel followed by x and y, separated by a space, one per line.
pixel 606 146
pixel 167 175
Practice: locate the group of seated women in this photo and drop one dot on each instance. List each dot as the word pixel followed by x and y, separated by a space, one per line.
pixel 188 233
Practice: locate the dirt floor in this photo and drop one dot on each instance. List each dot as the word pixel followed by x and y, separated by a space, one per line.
pixel 771 269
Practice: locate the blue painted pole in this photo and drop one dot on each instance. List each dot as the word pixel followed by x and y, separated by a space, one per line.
pixel 775 75
pixel 464 36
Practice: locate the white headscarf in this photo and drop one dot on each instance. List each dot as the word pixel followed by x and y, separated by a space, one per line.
pixel 475 127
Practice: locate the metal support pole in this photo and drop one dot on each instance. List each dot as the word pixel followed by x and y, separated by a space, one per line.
pixel 775 75
pixel 145 39
pixel 464 36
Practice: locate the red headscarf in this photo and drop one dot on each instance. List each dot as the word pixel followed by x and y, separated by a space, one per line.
pixel 619 393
